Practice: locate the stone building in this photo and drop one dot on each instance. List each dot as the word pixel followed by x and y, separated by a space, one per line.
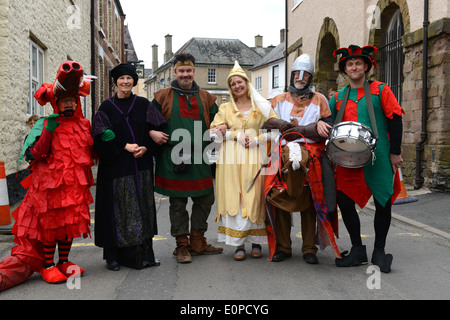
pixel 268 74
pixel 414 59
pixel 132 58
pixel 214 60
pixel 35 38
pixel 108 49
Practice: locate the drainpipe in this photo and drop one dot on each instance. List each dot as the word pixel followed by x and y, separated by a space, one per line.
pixel 420 146
pixel 286 47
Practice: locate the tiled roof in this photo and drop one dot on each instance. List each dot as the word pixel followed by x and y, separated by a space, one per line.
pixel 275 55
pixel 216 51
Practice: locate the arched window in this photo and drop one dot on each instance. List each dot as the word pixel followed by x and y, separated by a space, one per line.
pixel 392 57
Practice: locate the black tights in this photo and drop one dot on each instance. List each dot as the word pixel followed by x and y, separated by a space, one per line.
pixel 382 220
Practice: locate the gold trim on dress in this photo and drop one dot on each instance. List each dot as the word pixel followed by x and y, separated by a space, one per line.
pixel 242 234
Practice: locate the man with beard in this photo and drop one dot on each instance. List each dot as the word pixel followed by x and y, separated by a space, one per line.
pixel 303 111
pixel 182 172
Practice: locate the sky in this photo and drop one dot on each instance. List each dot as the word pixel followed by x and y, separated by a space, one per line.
pixel 149 21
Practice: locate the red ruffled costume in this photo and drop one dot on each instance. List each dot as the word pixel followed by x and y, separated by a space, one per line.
pixel 56 206
pixel 57 203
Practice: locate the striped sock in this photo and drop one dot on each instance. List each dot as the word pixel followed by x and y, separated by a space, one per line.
pixel 49 253
pixel 63 251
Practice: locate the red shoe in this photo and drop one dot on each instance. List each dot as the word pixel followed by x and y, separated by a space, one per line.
pixel 70 269
pixel 53 275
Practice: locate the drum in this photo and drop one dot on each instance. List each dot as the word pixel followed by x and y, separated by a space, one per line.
pixel 351 144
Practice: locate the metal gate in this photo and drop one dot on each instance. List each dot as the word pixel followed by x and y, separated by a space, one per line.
pixel 392 57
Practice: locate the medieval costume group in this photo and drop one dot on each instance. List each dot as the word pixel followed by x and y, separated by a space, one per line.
pixel 272 161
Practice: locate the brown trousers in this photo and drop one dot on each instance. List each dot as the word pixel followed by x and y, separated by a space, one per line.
pixel 296 197
pixel 283 230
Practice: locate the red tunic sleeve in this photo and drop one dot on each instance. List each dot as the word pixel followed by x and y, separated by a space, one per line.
pixel 389 103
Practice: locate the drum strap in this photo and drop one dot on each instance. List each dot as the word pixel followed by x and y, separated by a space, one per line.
pixel 368 97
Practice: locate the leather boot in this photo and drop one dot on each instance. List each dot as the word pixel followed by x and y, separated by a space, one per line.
pixel 382 260
pixel 183 255
pixel 199 246
pixel 356 257
pixel 182 250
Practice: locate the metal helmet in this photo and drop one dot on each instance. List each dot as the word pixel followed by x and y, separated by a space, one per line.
pixel 303 63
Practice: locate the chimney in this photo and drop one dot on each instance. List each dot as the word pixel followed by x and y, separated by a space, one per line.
pixel 258 41
pixel 168 54
pixel 155 62
pixel 282 35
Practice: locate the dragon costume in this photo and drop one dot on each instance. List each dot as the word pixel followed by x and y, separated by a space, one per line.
pixel 56 206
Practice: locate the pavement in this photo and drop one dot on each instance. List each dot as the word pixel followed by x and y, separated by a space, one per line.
pixel 423 208
pixel 223 279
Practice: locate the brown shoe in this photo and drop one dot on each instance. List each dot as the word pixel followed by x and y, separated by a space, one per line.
pixel 239 254
pixel 256 251
pixel 183 255
pixel 209 250
pixel 199 245
pixel 181 242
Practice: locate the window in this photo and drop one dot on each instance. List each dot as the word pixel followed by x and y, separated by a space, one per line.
pixel 102 75
pixel 101 13
pixel 275 76
pixel 392 56
pixel 117 35
pixel 110 21
pixel 296 3
pixel 258 83
pixel 212 76
pixel 36 78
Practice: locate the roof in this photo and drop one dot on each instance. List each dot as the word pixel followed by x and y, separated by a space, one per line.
pixel 275 55
pixel 216 51
pixel 129 46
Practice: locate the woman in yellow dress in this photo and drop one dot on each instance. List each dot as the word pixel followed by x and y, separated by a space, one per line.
pixel 241 213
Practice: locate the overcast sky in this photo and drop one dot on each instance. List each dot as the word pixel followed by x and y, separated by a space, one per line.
pixel 149 21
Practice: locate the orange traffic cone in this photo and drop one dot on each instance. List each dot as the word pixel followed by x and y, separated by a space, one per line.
pixel 5 217
pixel 403 196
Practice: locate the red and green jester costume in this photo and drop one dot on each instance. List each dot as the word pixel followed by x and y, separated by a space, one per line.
pixel 55 209
pixel 377 178
pixel 380 178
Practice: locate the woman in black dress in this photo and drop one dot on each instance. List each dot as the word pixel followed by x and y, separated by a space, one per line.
pixel 126 131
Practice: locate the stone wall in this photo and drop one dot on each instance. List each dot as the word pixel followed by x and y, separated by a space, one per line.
pixel 435 164
pixel 108 47
pixel 63 32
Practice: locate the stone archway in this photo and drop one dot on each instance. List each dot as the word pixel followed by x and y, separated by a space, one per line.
pixel 327 71
pixel 387 9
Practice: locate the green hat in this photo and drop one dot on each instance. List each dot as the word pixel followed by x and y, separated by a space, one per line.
pixel 354 51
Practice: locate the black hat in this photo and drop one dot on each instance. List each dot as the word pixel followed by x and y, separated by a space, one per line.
pixel 124 69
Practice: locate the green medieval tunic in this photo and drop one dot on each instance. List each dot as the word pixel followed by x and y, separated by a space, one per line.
pixel 376 178
pixel 188 116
